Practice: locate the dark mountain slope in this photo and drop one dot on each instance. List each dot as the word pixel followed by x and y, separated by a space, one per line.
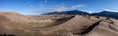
pixel 104 13
pixel 110 14
pixel 73 12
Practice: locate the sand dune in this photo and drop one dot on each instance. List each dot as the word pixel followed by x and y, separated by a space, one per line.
pixel 75 25
pixel 16 24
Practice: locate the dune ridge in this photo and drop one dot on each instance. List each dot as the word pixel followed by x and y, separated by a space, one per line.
pixel 13 23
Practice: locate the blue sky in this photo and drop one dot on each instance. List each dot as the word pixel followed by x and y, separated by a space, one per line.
pixel 35 7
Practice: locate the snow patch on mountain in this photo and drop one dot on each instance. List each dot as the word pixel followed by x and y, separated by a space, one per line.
pixel 108 10
pixel 90 12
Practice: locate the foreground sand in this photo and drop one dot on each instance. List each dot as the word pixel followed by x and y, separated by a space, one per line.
pixel 16 24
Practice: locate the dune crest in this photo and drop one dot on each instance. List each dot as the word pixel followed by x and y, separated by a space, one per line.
pixel 13 23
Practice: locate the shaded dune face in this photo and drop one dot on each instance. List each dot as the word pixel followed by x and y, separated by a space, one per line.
pixel 75 25
pixel 2 18
pixel 12 23
pixel 59 21
pixel 105 29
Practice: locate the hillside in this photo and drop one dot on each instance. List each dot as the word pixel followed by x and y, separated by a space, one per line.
pixel 13 23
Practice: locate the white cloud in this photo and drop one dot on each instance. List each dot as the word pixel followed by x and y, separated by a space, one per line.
pixel 50 10
pixel 41 5
pixel 77 6
pixel 109 10
pixel 29 4
pixel 60 7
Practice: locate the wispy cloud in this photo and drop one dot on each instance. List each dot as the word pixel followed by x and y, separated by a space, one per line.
pixel 61 7
pixel 42 4
pixel 30 5
pixel 49 10
pixel 77 6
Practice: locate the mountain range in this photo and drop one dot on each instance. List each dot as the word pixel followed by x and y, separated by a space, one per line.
pixel 104 13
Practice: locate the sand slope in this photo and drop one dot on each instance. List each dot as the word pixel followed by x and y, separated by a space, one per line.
pixel 16 24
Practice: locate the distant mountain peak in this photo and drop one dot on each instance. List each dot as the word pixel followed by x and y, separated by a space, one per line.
pixel 106 10
pixel 72 12
pixel 83 11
